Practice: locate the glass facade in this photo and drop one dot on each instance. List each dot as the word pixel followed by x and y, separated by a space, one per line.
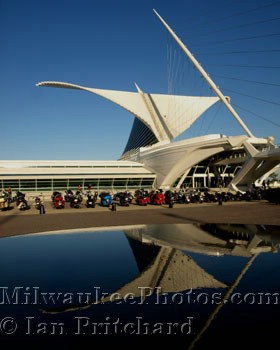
pixel 214 172
pixel 99 184
pixel 140 136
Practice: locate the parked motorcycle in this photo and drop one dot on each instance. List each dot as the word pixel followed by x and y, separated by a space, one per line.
pixel 58 201
pixel 157 198
pixel 69 195
pixel 142 197
pixel 4 201
pixel 91 199
pixel 21 202
pixel 76 201
pixel 106 199
pixel 39 204
pixel 141 200
pixel 125 199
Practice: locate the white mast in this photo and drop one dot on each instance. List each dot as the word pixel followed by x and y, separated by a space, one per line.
pixel 206 77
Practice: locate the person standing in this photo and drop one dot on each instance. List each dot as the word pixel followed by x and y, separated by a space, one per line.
pixel 10 192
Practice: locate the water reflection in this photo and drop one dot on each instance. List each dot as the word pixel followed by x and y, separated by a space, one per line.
pixel 190 284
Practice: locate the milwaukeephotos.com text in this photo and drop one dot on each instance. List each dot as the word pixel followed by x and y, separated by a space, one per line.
pixel 36 296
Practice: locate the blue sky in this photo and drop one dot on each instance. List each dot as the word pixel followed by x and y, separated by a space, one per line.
pixel 112 44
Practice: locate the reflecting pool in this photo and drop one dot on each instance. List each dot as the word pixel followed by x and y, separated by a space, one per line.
pixel 185 285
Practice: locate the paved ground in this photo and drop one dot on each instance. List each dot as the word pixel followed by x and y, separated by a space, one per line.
pixel 15 222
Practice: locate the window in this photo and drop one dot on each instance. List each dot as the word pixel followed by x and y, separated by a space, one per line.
pixel 105 183
pixel 147 182
pixel 44 185
pixel 14 184
pixel 120 183
pixel 27 185
pixel 60 184
pixel 93 182
pixel 133 183
pixel 74 183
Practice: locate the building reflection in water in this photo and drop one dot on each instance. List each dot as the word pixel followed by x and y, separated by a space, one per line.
pixel 179 259
pixel 179 272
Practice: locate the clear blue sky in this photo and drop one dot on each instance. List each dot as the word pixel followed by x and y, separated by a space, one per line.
pixel 112 44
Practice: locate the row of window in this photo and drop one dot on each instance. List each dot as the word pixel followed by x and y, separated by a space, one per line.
pixel 39 185
pixel 82 166
pixel 222 169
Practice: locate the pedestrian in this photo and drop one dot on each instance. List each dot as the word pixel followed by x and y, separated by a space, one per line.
pixel 10 192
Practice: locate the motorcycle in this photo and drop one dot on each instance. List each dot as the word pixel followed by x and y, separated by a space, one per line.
pixel 39 204
pixel 4 201
pixel 91 199
pixel 106 199
pixel 76 201
pixel 141 200
pixel 142 197
pixel 125 199
pixel 21 202
pixel 58 201
pixel 68 195
pixel 157 198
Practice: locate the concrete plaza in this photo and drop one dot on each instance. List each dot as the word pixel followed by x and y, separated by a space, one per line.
pixel 16 222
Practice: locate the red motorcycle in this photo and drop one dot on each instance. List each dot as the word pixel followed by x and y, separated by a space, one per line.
pixel 58 201
pixel 157 198
pixel 142 197
pixel 142 200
